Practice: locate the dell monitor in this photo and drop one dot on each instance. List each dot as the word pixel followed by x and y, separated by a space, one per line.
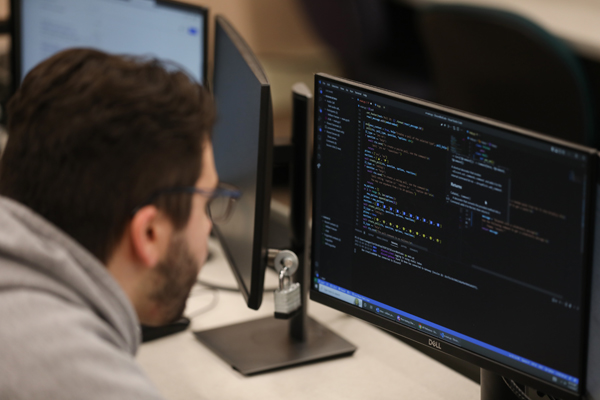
pixel 242 141
pixel 464 234
pixel 162 29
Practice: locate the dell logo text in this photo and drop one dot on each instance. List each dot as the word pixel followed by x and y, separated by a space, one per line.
pixel 435 344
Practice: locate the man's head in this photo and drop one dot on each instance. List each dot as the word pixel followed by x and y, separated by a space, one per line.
pixel 91 137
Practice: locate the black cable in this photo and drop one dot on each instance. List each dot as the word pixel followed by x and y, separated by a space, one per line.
pixel 217 287
pixel 215 290
pixel 516 389
pixel 521 392
pixel 226 288
pixel 205 309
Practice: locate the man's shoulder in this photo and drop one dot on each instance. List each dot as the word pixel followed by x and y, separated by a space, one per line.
pixel 53 348
pixel 34 315
pixel 37 256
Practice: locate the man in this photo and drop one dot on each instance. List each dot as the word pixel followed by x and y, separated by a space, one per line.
pixel 105 183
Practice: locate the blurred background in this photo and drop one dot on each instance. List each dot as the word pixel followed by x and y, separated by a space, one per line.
pixel 388 43
pixel 377 42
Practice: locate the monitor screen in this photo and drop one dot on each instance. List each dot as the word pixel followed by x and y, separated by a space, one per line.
pixel 242 140
pixel 464 234
pixel 165 30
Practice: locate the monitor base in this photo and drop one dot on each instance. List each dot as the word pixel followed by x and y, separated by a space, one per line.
pixel 265 344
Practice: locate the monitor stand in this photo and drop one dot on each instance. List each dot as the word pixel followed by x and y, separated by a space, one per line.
pixel 267 344
pixel 493 387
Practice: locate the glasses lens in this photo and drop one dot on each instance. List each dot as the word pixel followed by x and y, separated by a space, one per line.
pixel 219 208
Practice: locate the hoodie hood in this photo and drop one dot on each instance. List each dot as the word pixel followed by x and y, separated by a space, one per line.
pixel 36 255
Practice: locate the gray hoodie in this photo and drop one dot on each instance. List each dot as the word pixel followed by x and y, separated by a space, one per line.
pixel 67 330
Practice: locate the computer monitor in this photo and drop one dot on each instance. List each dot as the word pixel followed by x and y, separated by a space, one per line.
pixel 163 29
pixel 243 147
pixel 243 141
pixel 467 235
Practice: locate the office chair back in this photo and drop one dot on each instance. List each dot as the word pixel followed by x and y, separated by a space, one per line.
pixel 376 41
pixel 503 66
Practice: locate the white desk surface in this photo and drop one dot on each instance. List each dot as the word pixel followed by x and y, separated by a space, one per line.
pixel 382 367
pixel 575 21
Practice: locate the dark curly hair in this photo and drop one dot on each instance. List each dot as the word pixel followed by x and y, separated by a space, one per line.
pixel 92 135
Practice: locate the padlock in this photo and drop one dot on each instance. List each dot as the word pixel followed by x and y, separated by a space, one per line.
pixel 287 297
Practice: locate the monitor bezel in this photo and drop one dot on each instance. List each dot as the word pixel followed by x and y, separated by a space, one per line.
pixel 16 37
pixel 424 338
pixel 253 295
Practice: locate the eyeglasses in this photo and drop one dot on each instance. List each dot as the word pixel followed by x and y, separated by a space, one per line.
pixel 220 200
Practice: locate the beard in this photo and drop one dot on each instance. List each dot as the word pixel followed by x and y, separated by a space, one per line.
pixel 176 275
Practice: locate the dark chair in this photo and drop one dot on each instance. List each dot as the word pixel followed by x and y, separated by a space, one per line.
pixel 376 41
pixel 503 66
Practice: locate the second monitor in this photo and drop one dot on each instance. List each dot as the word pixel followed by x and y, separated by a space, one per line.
pixel 243 140
pixel 168 30
pixel 243 153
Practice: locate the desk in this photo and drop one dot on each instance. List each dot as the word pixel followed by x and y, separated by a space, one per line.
pixel 577 22
pixel 382 367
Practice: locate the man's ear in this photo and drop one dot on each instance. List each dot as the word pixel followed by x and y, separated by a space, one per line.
pixel 150 233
